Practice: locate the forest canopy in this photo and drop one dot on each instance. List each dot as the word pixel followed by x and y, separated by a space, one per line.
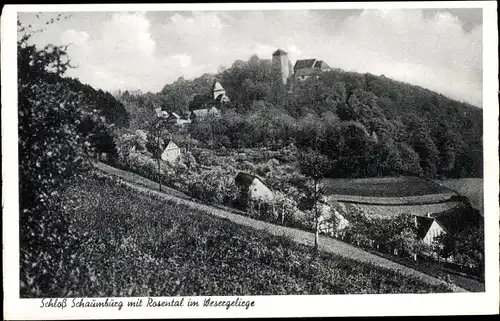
pixel 367 125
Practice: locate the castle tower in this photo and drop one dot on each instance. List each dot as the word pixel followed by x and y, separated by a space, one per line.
pixel 282 74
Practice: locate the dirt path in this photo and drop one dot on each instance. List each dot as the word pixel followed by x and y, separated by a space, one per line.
pixel 326 244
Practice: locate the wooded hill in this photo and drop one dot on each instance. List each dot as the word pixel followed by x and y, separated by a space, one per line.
pixel 368 125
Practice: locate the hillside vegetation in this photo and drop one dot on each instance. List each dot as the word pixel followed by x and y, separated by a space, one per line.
pixel 138 245
pixel 367 125
pixel 62 125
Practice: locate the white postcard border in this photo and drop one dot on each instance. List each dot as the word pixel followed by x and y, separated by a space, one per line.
pixel 269 306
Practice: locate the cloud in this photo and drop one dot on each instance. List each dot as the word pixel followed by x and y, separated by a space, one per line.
pixel 435 53
pixel 123 55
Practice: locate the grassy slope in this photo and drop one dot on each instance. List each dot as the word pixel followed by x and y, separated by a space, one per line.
pixel 383 187
pixel 142 246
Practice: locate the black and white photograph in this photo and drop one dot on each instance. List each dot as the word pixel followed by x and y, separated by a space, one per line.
pixel 215 157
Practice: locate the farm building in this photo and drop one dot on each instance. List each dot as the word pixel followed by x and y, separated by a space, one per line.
pixel 255 187
pixel 171 153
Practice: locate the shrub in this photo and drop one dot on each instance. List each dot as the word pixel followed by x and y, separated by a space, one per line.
pixel 51 152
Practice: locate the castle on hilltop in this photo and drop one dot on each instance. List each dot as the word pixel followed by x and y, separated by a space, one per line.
pixel 282 75
pixel 285 78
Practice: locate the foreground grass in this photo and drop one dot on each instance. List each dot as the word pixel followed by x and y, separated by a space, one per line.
pixel 139 245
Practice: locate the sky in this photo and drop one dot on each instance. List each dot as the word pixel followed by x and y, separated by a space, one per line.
pixel 438 49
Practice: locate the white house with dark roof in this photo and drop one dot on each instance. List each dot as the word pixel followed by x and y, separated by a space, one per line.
pixel 255 187
pixel 331 221
pixel 171 153
pixel 219 93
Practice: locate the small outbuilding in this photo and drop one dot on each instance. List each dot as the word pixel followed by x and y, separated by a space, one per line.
pixel 331 221
pixel 255 186
pixel 200 114
pixel 172 152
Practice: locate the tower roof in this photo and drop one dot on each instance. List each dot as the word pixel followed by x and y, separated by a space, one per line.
pixel 218 87
pixel 280 52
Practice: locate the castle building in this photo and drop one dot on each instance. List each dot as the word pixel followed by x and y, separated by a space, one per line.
pixel 282 74
pixel 306 68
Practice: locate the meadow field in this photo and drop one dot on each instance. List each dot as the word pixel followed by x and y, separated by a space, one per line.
pixel 401 186
pixel 135 244
pixel 395 210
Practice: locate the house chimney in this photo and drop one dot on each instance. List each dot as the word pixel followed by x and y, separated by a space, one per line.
pixel 428 214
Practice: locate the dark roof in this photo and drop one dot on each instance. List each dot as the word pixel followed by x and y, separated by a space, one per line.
pixel 457 219
pixel 320 64
pixel 280 52
pixel 423 225
pixel 303 63
pixel 246 179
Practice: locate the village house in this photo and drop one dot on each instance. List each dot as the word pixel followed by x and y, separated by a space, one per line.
pixel 172 152
pixel 306 68
pixel 254 185
pixel 450 222
pixel 219 93
pixel 331 221
pixel 200 114
pixel 176 119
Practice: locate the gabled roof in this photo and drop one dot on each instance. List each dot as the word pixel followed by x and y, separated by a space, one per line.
pixel 320 64
pixel 171 145
pixel 280 52
pixel 304 63
pixel 246 179
pixel 457 219
pixel 423 225
pixel 218 87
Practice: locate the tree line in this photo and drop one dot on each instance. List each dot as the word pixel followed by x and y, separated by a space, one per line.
pixel 367 125
pixel 62 125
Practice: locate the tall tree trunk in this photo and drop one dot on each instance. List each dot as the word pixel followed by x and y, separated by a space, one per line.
pixel 158 158
pixel 316 228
